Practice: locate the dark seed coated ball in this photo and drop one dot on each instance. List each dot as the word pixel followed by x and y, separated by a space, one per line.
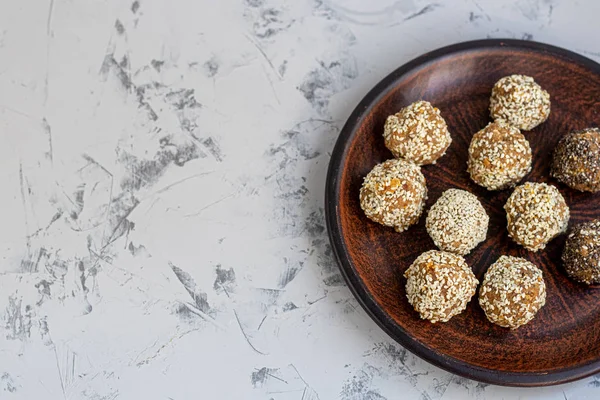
pixel 512 292
pixel 581 256
pixel 576 160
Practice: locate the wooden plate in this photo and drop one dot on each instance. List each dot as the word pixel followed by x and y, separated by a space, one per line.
pixel 563 342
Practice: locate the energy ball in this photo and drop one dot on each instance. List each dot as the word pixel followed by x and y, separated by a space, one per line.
pixel 439 285
pixel 581 256
pixel 457 222
pixel 576 160
pixel 519 101
pixel 499 156
pixel 536 213
pixel 394 193
pixel 417 133
pixel 512 292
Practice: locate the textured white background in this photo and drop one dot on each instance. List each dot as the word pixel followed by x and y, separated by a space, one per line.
pixel 162 166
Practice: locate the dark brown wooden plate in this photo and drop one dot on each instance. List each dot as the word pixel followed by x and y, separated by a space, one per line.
pixel 563 342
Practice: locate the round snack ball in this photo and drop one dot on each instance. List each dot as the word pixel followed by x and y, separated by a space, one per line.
pixel 536 213
pixel 499 156
pixel 457 222
pixel 512 292
pixel 439 285
pixel 394 193
pixel 576 160
pixel 519 101
pixel 417 133
pixel 581 256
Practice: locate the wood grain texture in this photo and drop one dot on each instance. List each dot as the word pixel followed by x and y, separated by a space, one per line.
pixel 563 342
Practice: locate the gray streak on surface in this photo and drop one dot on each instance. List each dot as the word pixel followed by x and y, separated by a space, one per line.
pixel 17 319
pixel 211 67
pixel 7 383
pixel 225 279
pixel 199 298
pixel 110 63
pixel 119 27
pixel 213 148
pixel 425 10
pixel 289 273
pixel 326 80
pixel 157 64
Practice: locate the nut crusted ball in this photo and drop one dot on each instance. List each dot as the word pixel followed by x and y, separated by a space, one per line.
pixel 439 285
pixel 576 160
pixel 519 101
pixel 457 222
pixel 581 256
pixel 512 292
pixel 499 156
pixel 394 193
pixel 536 214
pixel 417 133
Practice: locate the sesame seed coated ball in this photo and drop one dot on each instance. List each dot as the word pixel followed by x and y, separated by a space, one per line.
pixel 520 101
pixel 394 193
pixel 512 292
pixel 439 285
pixel 417 133
pixel 499 156
pixel 457 222
pixel 581 256
pixel 576 160
pixel 536 213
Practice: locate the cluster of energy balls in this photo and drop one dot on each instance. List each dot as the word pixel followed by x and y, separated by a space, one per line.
pixel 439 282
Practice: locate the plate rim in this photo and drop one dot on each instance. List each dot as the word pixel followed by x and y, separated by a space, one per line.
pixel 333 222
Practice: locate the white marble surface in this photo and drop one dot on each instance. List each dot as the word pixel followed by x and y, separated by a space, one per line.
pixel 162 172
